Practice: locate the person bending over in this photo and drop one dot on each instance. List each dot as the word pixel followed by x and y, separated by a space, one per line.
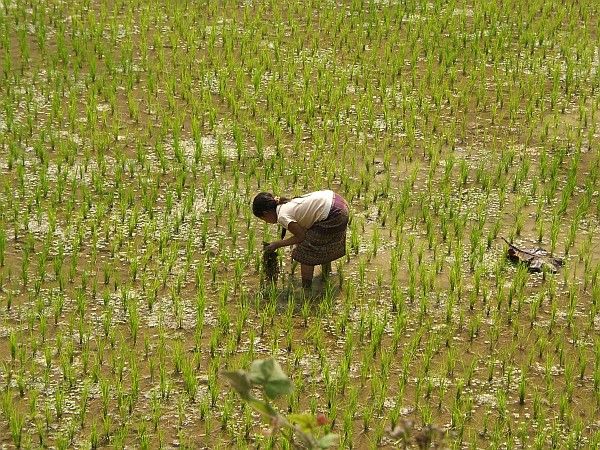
pixel 318 222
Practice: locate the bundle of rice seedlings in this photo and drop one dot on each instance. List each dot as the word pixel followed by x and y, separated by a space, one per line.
pixel 270 264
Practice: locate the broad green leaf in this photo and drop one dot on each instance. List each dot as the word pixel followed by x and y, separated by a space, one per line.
pixel 262 407
pixel 306 422
pixel 239 381
pixel 328 440
pixel 273 370
pixel 269 374
pixel 275 388
pixel 263 370
pixel 256 373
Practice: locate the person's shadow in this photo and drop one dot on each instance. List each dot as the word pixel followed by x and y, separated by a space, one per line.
pixel 286 290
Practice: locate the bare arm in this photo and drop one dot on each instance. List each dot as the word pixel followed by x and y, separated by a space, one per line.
pixel 299 233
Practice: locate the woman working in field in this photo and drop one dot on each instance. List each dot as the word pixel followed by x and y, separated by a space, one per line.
pixel 318 222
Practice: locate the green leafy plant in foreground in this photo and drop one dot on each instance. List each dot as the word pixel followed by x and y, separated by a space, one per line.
pixel 268 376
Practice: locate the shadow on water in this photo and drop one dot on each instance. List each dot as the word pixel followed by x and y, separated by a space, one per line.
pixel 288 292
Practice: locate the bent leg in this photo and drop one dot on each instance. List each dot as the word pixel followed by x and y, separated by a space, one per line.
pixel 306 272
pixel 326 270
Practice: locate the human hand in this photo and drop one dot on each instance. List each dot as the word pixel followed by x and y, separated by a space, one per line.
pixel 267 248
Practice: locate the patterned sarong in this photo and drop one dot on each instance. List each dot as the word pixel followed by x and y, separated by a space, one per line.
pixel 325 241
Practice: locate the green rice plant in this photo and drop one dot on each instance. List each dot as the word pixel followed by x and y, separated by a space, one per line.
pixel 563 408
pixel 2 245
pixel 25 268
pixel 59 402
pixel 164 382
pixel 13 342
pixel 582 363
pixel 522 387
pixel 518 224
pixel 189 378
pixel 104 395
pixel 16 423
pixel 354 237
pixel 156 409
pixel 450 362
pixel 94 438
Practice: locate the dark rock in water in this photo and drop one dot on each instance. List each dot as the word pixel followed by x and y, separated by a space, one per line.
pixel 270 264
pixel 536 259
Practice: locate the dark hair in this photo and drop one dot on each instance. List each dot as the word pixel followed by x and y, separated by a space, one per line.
pixel 265 201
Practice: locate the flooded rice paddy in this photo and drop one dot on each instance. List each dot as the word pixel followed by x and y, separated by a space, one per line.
pixel 133 137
